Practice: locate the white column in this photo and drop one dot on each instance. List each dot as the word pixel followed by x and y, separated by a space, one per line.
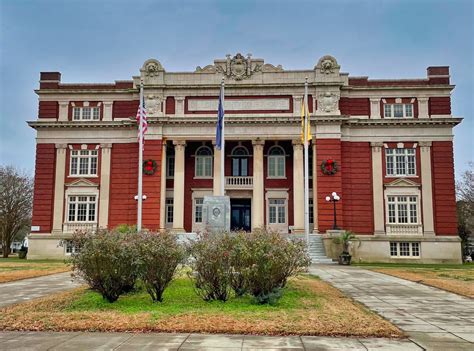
pixel 178 190
pixel 104 197
pixel 426 188
pixel 108 105
pixel 163 188
pixel 377 188
pixel 63 110
pixel 58 207
pixel 179 106
pixel 258 204
pixel 375 108
pixel 217 189
pixel 423 107
pixel 297 100
pixel 298 187
pixel 315 189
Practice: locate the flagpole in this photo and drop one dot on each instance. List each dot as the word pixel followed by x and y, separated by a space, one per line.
pixel 140 163
pixel 306 163
pixel 222 143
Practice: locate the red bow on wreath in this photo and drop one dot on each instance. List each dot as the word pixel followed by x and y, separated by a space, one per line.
pixel 329 167
pixel 149 167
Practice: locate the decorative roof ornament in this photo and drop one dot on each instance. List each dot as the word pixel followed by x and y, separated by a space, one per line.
pixel 327 65
pixel 238 67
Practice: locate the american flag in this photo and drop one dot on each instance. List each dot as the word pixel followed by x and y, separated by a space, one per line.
pixel 144 121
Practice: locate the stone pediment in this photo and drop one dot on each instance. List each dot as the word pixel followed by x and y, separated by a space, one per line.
pixel 81 183
pixel 239 67
pixel 403 182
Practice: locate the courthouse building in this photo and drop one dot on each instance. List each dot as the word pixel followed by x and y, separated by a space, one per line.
pixel 385 147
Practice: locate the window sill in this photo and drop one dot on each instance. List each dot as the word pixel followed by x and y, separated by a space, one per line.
pixel 195 177
pixel 276 178
pixel 405 257
pixel 83 176
pixel 402 176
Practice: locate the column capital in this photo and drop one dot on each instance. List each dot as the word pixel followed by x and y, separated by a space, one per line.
pixel 422 99
pixel 179 98
pixel 257 142
pixel 179 142
pixel 61 146
pixel 376 146
pixel 374 100
pixel 424 144
pixel 63 102
pixel 297 144
pixel 106 146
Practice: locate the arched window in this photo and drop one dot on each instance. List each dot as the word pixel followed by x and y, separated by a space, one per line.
pixel 276 162
pixel 203 165
pixel 240 161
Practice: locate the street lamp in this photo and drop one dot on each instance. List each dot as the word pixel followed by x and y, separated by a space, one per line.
pixel 334 198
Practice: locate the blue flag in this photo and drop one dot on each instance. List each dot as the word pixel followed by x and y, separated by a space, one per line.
pixel 220 120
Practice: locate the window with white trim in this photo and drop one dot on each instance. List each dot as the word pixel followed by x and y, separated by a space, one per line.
pixel 82 208
pixel 170 164
pixel 86 113
pixel 276 162
pixel 198 202
pixel 203 162
pixel 70 248
pixel 277 211
pixel 402 209
pixel 169 211
pixel 404 249
pixel 83 163
pixel 400 162
pixel 398 110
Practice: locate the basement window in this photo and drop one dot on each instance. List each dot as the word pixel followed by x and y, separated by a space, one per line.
pixel 405 249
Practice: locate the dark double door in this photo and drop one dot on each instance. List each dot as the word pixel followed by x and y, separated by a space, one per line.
pixel 240 214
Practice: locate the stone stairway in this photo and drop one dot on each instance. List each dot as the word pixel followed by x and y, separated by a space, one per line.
pixel 316 250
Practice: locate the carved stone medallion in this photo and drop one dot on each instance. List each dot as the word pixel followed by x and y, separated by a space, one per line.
pixel 328 102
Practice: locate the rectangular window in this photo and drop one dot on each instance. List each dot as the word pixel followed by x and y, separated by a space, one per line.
pixel 398 110
pixel 86 113
pixel 311 211
pixel 169 211
pixel 83 163
pixel 198 210
pixel 400 162
pixel 82 209
pixel 277 211
pixel 71 248
pixel 404 249
pixel 402 209
pixel 204 166
pixel 276 166
pixel 170 166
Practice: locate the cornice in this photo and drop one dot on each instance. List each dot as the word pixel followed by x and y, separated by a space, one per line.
pixel 231 120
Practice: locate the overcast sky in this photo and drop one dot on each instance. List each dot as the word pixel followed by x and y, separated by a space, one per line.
pixel 103 41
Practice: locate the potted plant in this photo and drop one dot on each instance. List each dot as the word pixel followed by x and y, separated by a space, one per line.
pixel 345 239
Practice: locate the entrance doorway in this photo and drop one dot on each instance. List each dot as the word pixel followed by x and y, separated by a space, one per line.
pixel 240 214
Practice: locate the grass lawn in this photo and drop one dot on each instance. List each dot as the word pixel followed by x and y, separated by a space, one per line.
pixel 309 306
pixel 456 278
pixel 13 268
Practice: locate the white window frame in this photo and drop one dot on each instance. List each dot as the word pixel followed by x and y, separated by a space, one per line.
pixel 277 194
pixel 70 248
pixel 77 155
pixel 203 159
pixel 74 198
pixel 414 249
pixel 391 108
pixel 169 169
pixel 409 159
pixel 78 113
pixel 277 159
pixel 401 200
pixel 169 204
pixel 199 194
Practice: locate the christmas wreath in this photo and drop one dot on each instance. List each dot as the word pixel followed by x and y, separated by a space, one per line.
pixel 149 167
pixel 329 167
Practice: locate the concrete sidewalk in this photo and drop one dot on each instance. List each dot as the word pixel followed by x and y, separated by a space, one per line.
pixel 32 288
pixel 161 341
pixel 433 318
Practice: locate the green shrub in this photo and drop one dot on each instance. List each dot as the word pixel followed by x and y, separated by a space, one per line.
pixel 106 261
pixel 159 255
pixel 270 259
pixel 211 265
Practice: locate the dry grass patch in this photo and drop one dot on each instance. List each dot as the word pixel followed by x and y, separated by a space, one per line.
pixel 309 307
pixel 454 280
pixel 12 268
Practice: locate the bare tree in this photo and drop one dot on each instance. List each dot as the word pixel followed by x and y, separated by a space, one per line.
pixel 465 206
pixel 16 200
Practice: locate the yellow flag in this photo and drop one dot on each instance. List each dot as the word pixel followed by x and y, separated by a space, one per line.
pixel 303 112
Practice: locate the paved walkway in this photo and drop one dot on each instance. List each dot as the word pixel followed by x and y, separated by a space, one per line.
pixel 28 289
pixel 162 341
pixel 434 319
